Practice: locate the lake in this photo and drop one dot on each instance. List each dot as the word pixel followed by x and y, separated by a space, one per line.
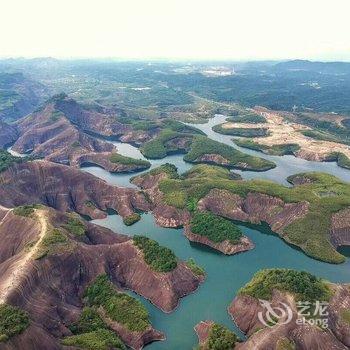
pixel 225 274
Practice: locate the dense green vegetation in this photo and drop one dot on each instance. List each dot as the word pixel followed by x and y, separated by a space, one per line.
pixel 161 145
pixel 101 339
pixel 169 169
pixel 241 132
pixel 249 118
pixel 119 307
pixel 196 269
pixel 275 150
pixel 89 321
pixel 54 241
pixel 310 233
pixel 157 96
pixel 168 88
pixel 13 321
pixel 119 159
pixel 91 332
pixel 215 228
pixel 164 143
pixel 220 338
pixel 131 219
pixel 236 159
pixel 303 285
pixel 7 160
pixel 177 126
pixel 162 124
pixel 75 226
pixel 161 259
pixel 318 135
pixel 26 210
pixel 139 124
pixel 210 171
pixel 341 159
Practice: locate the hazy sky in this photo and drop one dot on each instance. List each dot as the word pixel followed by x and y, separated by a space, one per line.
pixel 213 29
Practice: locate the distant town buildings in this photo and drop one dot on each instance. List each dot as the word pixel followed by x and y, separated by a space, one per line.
pixel 218 71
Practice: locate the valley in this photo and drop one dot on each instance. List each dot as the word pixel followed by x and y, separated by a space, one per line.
pixel 142 217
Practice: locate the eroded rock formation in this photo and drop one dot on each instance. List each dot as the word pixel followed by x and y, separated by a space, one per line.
pixel 254 208
pixel 169 216
pixel 50 134
pixel 225 247
pixel 65 188
pixel 245 309
pixel 50 277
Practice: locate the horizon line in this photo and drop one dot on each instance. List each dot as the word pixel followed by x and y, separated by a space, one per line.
pixel 174 59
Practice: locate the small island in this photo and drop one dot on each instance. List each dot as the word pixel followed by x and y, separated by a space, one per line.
pixel 218 233
pixel 205 150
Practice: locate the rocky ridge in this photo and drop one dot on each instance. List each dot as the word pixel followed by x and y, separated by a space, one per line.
pixel 60 276
pixel 244 311
pixel 67 189
pixel 171 217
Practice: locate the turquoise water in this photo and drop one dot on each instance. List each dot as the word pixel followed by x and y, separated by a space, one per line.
pixel 286 165
pixel 225 274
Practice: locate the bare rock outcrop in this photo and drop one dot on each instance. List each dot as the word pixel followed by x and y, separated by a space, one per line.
pixel 135 340
pixel 164 214
pixel 50 287
pixel 66 189
pixel 50 134
pixel 254 208
pixel 340 228
pixel 169 216
pixel 340 305
pixel 304 336
pixel 136 137
pixel 225 247
pixel 216 159
pixel 95 120
pixel 202 330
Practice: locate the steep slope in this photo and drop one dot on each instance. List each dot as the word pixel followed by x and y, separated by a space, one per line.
pixel 170 215
pixel 20 95
pixel 319 330
pixel 8 134
pixel 66 188
pixel 89 119
pixel 51 260
pixel 13 277
pixel 47 133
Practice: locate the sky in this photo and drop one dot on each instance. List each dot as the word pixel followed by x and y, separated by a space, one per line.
pixel 176 29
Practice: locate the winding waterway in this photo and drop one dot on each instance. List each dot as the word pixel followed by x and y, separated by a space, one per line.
pixel 225 274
